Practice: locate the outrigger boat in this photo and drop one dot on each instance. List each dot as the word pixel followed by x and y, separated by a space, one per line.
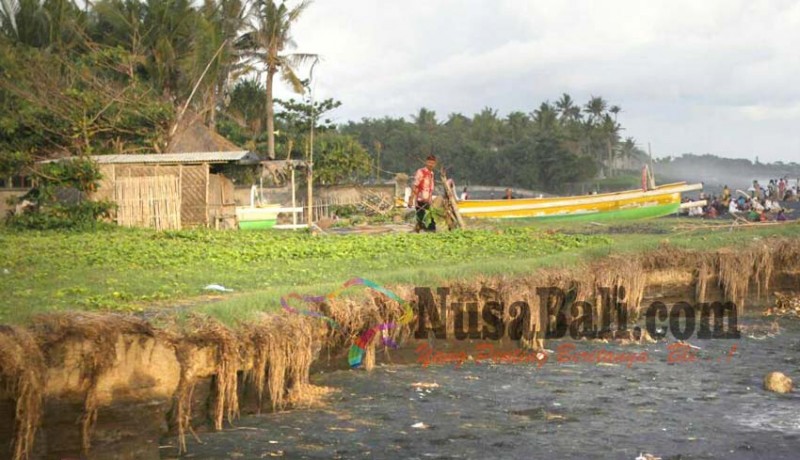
pixel 632 204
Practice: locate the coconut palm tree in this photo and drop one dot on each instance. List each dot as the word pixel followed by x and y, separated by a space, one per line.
pixel 610 130
pixel 596 107
pixel 567 110
pixel 225 20
pixel 545 116
pixel 615 109
pixel 266 44
pixel 41 24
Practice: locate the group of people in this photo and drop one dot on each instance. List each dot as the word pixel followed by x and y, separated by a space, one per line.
pixel 760 204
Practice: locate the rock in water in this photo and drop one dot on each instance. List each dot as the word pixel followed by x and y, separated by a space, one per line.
pixel 777 382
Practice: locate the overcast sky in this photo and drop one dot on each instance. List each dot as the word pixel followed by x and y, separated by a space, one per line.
pixel 710 76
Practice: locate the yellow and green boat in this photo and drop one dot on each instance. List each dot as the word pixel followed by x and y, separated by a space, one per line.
pixel 632 204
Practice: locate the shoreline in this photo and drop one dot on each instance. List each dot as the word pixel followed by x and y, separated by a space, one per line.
pixel 203 372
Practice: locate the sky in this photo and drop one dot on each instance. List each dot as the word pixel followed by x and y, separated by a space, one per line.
pixel 710 76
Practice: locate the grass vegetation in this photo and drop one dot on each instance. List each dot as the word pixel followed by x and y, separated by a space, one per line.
pixel 128 270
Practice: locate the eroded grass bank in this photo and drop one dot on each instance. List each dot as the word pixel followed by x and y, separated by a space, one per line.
pixel 108 369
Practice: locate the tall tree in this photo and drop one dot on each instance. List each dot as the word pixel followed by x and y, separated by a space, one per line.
pixel 615 109
pixel 225 20
pixel 266 42
pixel 596 107
pixel 545 117
pixel 47 24
pixel 567 110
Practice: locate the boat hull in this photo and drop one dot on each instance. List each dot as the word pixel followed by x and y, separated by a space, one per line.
pixel 257 218
pixel 633 204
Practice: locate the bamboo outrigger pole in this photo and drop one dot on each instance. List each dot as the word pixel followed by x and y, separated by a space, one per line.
pixel 452 216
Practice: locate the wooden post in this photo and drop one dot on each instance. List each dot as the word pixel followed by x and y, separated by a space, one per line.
pixel 309 193
pixel 180 195
pixel 205 204
pixel 294 200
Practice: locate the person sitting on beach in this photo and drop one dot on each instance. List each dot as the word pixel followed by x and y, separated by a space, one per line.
pixel 752 216
pixel 769 205
pixel 733 207
pixel 464 195
pixel 712 212
pixel 781 216
pixel 762 216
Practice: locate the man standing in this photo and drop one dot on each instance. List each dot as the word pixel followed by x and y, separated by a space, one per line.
pixel 422 195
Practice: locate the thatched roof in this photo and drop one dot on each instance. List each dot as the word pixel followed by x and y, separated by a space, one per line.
pixel 193 136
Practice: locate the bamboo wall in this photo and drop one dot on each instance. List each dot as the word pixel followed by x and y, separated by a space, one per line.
pixel 149 195
pixel 153 202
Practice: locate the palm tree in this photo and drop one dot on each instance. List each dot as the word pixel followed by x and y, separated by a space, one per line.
pixel 567 109
pixel 425 118
pixel 610 129
pixel 628 148
pixel 595 108
pixel 226 19
pixel 266 42
pixel 545 116
pixel 161 36
pixel 615 109
pixel 517 124
pixel 41 24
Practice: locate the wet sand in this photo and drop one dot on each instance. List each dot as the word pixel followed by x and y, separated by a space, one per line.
pixel 713 408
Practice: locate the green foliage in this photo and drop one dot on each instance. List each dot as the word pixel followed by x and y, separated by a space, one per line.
pixel 120 269
pixel 74 104
pixel 80 216
pixel 345 210
pixel 543 150
pixel 339 158
pixel 432 214
pixel 48 212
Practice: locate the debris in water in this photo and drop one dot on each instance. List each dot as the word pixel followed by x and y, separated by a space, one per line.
pixel 694 347
pixel 778 382
pixel 647 457
pixel 217 288
pixel 6 272
pixel 419 385
pixel 420 426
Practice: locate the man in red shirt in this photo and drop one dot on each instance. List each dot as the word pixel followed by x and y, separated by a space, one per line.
pixel 422 194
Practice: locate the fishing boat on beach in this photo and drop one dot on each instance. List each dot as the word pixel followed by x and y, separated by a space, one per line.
pixel 631 204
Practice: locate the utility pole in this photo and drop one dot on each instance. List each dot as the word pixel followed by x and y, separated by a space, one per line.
pixel 310 166
pixel 378 148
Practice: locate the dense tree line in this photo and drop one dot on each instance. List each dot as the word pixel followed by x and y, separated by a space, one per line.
pixel 555 144
pixel 116 76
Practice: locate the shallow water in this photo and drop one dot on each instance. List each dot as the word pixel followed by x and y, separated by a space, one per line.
pixel 714 408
